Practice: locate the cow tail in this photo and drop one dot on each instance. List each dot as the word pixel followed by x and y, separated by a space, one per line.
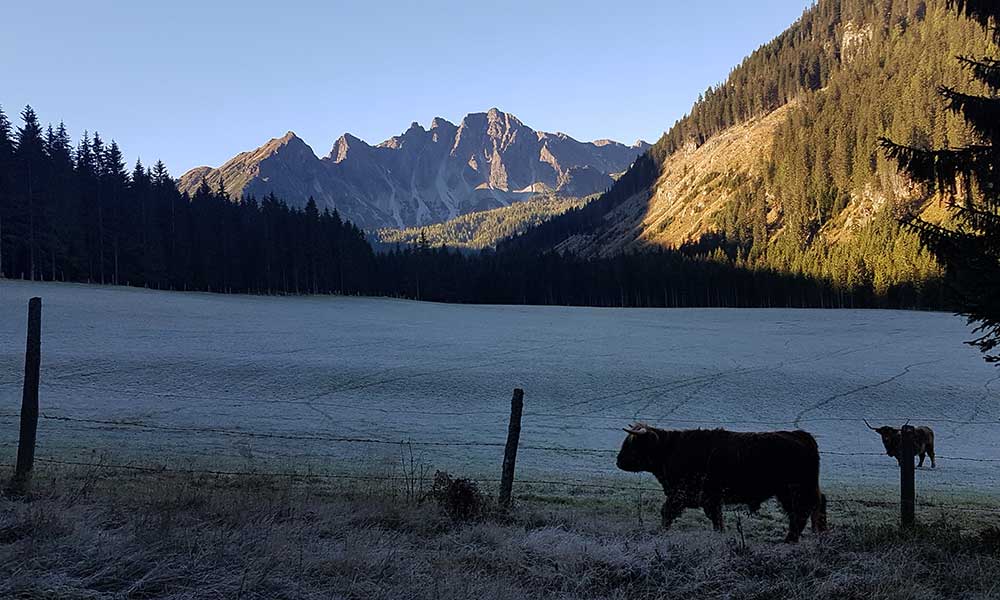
pixel 819 523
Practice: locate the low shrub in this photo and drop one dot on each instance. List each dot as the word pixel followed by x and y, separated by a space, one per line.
pixel 459 498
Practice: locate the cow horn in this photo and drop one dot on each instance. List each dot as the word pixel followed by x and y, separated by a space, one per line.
pixel 635 428
pixel 869 426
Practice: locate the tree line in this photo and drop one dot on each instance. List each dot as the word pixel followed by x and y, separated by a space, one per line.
pixel 78 214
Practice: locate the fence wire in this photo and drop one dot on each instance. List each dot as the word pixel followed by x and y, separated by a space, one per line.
pixel 402 441
pixel 95 424
pixel 833 499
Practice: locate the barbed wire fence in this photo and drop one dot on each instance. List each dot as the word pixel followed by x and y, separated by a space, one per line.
pixel 103 426
pixel 85 423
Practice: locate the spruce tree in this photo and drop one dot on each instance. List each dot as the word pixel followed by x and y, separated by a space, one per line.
pixel 969 178
pixel 6 203
pixel 31 163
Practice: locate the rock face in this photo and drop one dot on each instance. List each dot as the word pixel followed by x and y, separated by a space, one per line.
pixel 424 176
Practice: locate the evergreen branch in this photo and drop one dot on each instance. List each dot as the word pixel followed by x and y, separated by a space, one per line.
pixel 979 111
pixel 940 169
pixel 984 12
pixel 986 70
pixel 979 219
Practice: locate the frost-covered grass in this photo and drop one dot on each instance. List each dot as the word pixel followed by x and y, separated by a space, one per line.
pixel 84 534
pixel 183 365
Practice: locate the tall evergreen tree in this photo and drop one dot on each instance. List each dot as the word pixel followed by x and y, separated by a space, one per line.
pixel 6 200
pixel 30 177
pixel 969 177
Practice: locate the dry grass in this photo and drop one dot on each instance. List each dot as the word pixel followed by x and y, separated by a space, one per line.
pixel 128 535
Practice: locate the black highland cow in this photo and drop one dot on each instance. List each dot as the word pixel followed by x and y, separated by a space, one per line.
pixel 892 437
pixel 709 468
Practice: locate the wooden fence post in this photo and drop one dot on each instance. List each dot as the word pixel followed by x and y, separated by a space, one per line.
pixel 29 400
pixel 907 487
pixel 510 452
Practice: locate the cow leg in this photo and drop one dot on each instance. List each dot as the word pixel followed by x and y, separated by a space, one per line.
pixel 798 512
pixel 818 517
pixel 670 511
pixel 930 451
pixel 796 525
pixel 713 510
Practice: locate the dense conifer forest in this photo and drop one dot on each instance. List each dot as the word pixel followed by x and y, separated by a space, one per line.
pixel 78 214
pixel 483 229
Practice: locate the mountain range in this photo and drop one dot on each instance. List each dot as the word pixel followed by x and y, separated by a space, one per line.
pixel 424 176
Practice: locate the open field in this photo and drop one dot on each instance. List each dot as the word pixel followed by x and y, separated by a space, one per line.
pixel 153 389
pixel 316 383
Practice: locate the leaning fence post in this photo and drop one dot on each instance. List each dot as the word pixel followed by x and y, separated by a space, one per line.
pixel 510 452
pixel 907 487
pixel 29 400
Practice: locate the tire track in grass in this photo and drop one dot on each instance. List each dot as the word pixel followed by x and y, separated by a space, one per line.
pixel 686 400
pixel 825 401
pixel 514 354
pixel 978 409
pixel 710 378
pixel 668 386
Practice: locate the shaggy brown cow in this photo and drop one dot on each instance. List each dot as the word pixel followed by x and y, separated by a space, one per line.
pixel 892 437
pixel 708 468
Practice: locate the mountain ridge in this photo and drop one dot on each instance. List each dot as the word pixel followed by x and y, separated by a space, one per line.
pixel 424 176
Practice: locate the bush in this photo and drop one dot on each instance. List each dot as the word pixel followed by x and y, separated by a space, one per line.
pixel 459 498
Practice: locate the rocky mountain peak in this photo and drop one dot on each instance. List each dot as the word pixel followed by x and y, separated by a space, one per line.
pixel 439 122
pixel 344 145
pixel 275 144
pixel 423 176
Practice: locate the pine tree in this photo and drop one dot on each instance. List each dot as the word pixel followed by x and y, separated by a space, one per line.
pixel 63 232
pixel 160 175
pixel 6 203
pixel 31 164
pixel 969 177
pixel 114 180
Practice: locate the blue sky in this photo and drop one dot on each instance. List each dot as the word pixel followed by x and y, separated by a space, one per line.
pixel 194 83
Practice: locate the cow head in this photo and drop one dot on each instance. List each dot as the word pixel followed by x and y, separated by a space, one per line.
pixel 891 437
pixel 639 449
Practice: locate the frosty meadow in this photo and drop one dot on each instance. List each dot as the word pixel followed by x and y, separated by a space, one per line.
pixel 333 384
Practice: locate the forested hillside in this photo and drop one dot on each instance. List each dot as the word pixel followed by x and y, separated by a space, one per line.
pixel 484 229
pixel 779 167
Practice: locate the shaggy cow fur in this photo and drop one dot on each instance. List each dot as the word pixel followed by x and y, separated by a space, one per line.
pixel 709 468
